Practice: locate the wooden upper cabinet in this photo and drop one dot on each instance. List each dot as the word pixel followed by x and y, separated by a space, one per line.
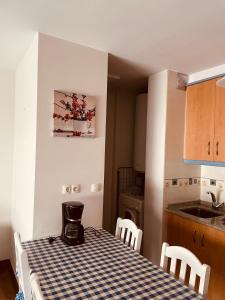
pixel 219 135
pixel 199 121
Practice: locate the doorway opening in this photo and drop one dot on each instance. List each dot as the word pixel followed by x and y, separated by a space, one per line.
pixel 125 144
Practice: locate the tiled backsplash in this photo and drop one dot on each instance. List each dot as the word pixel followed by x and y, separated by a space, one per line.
pixel 181 182
pixel 187 182
pixel 189 189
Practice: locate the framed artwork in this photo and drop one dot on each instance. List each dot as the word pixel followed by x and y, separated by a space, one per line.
pixel 74 115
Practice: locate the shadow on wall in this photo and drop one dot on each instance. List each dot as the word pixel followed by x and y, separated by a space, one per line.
pixel 127 74
pixel 153 236
pixel 5 233
pixel 12 253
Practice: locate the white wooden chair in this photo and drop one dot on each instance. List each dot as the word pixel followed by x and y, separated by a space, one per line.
pixel 23 268
pixel 127 231
pixel 187 258
pixel 35 287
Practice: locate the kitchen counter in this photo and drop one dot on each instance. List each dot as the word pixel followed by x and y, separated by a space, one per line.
pixel 217 222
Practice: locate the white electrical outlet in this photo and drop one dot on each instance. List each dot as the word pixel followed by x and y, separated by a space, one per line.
pixel 66 189
pixel 75 188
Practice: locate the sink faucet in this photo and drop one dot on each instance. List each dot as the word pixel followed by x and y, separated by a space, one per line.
pixel 215 202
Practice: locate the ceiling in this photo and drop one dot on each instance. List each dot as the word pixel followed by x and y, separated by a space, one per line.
pixel 143 36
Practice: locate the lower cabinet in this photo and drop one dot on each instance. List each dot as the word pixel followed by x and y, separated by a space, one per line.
pixel 207 243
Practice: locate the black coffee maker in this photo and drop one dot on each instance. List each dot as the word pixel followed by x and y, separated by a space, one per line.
pixel 72 229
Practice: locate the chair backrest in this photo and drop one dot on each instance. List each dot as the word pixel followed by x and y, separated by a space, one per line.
pixel 35 287
pixel 187 258
pixel 23 268
pixel 127 231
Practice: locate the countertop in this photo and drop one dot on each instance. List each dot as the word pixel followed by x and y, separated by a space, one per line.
pixel 217 222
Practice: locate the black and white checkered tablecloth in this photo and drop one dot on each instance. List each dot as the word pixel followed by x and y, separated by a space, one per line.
pixel 101 268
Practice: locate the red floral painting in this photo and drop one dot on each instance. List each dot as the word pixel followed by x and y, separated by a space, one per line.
pixel 74 115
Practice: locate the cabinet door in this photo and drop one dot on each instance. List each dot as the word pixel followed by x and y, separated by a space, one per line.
pixel 199 121
pixel 213 247
pixel 219 140
pixel 207 243
pixel 182 232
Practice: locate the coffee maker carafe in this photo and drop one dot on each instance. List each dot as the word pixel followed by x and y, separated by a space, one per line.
pixel 72 229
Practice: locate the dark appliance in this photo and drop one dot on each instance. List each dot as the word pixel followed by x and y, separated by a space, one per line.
pixel 72 229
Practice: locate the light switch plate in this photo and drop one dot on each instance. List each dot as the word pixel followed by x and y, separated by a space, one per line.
pixel 96 187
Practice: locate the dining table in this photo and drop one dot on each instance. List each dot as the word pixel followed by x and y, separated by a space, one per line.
pixel 101 268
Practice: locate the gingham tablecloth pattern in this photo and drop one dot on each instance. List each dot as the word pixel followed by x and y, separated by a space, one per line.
pixel 101 268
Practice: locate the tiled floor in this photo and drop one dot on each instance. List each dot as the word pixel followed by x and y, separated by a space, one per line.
pixel 8 285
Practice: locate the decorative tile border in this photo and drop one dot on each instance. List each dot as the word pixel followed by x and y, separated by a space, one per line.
pixel 180 182
pixel 188 182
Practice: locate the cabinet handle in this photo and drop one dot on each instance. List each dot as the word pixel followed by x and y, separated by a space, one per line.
pixel 194 236
pixel 208 148
pixel 203 241
pixel 217 148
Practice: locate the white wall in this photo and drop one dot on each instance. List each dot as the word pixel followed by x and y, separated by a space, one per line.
pixel 6 155
pixel 155 164
pixel 217 173
pixel 25 142
pixel 43 163
pixel 164 158
pixel 63 65
pixel 174 165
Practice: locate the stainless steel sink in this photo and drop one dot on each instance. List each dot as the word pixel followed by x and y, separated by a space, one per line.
pixel 201 212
